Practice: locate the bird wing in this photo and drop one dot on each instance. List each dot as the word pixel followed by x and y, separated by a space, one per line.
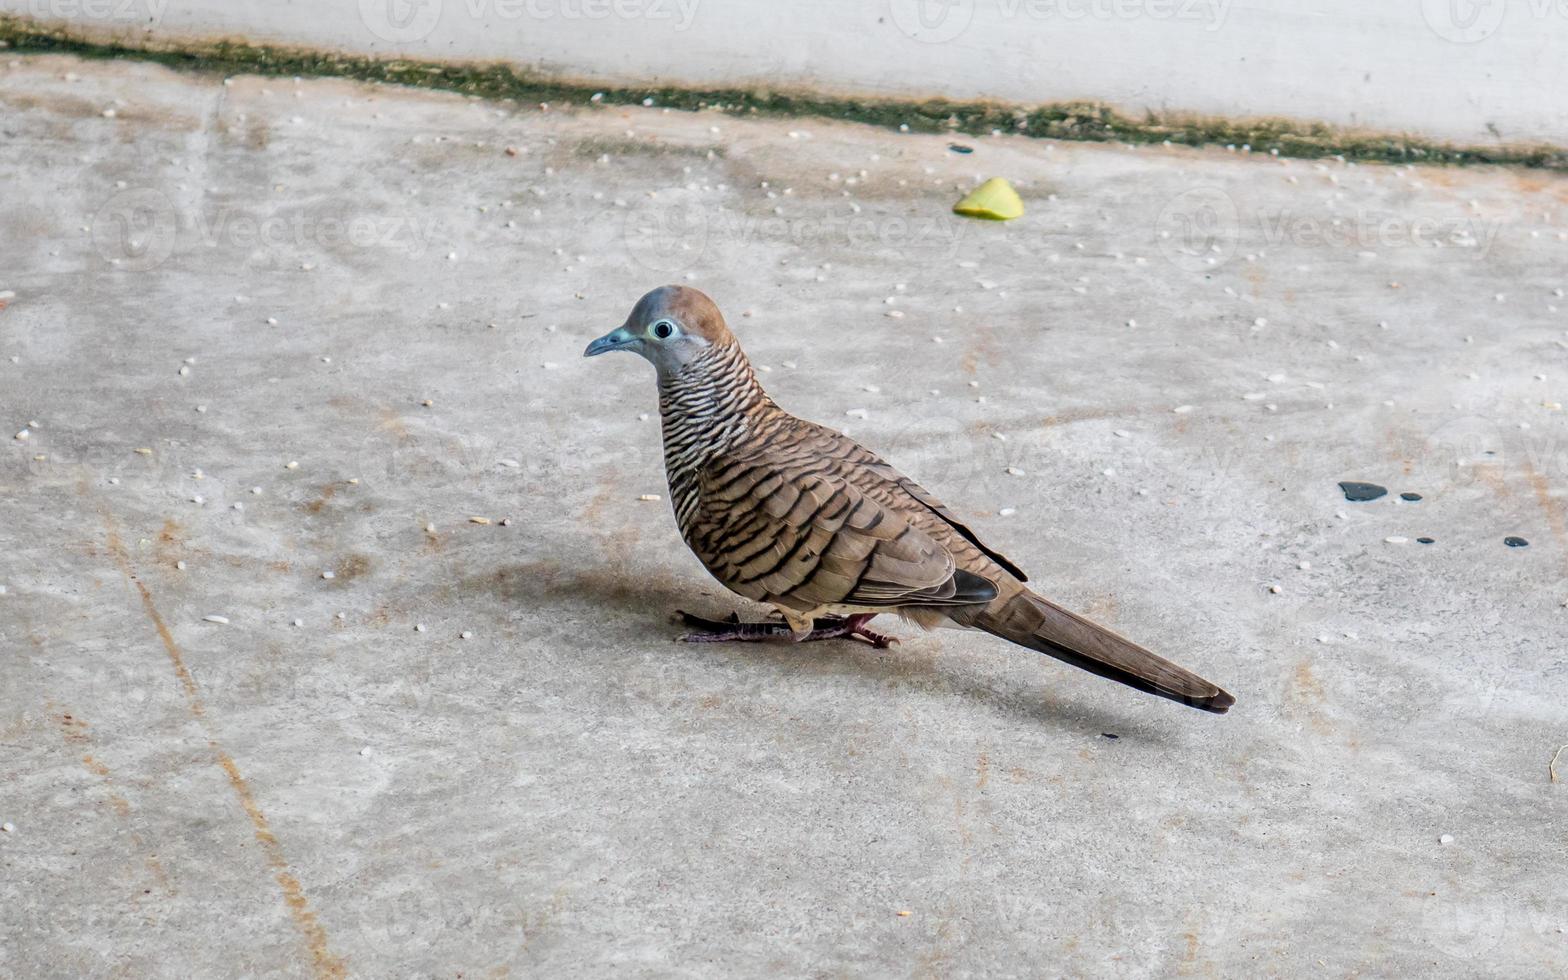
pixel 778 528
pixel 875 476
pixel 924 498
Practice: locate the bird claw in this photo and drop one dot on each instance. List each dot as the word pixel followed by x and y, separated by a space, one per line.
pixel 733 630
pixel 878 641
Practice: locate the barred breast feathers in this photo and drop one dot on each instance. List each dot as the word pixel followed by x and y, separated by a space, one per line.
pixel 713 406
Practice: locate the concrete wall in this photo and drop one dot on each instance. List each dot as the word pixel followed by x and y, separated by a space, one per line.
pixel 1476 71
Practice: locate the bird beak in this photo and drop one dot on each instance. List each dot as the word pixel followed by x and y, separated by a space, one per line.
pixel 618 339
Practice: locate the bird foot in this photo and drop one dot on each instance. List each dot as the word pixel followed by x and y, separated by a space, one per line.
pixel 735 631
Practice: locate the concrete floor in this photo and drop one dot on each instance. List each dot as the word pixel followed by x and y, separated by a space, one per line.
pixel 318 787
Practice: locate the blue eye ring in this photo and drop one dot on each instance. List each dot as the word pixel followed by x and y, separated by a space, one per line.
pixel 662 329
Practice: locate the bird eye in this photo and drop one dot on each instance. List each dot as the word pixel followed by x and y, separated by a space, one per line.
pixel 664 329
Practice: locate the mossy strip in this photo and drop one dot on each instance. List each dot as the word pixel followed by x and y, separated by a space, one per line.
pixel 1061 120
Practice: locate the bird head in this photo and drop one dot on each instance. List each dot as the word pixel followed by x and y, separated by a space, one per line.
pixel 669 327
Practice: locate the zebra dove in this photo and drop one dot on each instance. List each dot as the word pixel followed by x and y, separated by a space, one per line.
pixel 798 516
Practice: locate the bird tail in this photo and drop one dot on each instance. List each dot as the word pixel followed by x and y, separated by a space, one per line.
pixel 1037 623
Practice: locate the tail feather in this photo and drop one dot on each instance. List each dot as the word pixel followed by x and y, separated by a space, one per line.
pixel 1039 624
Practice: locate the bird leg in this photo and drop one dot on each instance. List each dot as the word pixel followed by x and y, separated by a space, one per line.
pixel 826 628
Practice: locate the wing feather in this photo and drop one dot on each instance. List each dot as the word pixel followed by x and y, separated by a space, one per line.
pixel 786 531
pixel 843 458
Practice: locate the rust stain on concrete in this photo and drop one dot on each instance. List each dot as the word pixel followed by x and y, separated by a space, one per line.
pixel 1551 506
pixel 1308 697
pixel 324 962
pixel 122 809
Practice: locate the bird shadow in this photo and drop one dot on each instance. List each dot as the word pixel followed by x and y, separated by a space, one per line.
pixel 631 608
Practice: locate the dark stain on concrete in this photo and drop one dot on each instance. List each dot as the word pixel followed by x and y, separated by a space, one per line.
pixel 351 567
pixel 1361 492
